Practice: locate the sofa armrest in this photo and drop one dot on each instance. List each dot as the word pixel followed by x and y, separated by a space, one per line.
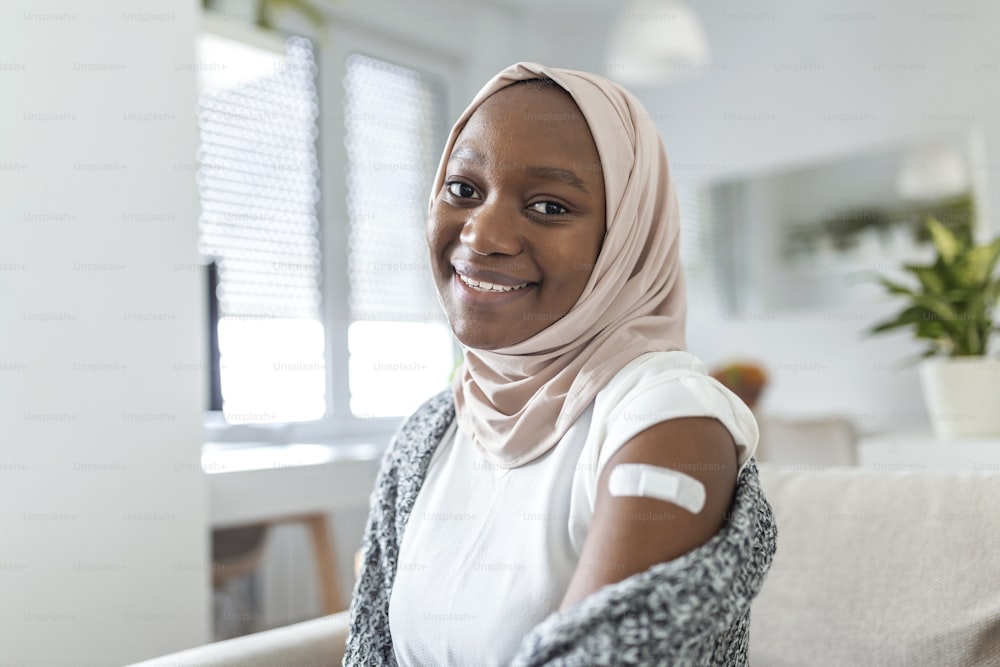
pixel 315 643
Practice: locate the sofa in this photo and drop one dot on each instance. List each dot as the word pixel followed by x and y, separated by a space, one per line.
pixel 873 567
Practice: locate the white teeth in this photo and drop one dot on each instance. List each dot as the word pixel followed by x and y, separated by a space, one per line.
pixel 484 286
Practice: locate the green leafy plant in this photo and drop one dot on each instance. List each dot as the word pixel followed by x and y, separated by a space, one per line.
pixel 952 305
pixel 265 11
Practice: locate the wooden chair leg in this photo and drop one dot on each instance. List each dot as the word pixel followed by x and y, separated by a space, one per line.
pixel 325 556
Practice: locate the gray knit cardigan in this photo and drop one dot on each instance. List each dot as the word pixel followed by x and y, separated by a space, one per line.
pixel 693 610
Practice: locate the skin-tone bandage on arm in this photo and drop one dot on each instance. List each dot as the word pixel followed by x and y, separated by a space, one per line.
pixel 649 481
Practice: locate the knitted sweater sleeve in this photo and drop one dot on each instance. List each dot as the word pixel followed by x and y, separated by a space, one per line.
pixel 403 469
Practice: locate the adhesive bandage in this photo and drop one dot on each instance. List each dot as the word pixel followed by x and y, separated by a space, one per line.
pixel 648 481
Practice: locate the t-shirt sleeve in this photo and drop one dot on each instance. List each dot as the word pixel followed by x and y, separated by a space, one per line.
pixel 668 385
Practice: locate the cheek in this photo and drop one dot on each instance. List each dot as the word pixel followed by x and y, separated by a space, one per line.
pixel 593 245
pixel 579 258
pixel 437 234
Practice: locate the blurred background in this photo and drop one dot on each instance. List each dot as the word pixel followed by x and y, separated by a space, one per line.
pixel 215 301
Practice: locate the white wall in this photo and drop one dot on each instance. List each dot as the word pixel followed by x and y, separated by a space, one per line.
pixel 103 548
pixel 795 84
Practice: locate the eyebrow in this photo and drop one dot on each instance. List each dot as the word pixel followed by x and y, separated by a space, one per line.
pixel 467 154
pixel 562 175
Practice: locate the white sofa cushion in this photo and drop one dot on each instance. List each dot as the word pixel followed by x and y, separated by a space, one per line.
pixel 880 568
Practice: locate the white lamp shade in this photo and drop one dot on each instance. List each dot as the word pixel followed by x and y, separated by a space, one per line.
pixel 656 41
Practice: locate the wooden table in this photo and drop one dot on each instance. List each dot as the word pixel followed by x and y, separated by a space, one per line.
pixel 296 483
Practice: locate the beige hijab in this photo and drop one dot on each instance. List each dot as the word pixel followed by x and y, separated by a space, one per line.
pixel 517 402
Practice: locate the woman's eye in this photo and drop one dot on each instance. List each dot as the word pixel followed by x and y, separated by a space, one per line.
pixel 461 190
pixel 549 208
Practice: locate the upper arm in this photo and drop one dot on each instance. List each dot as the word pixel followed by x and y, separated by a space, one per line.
pixel 627 535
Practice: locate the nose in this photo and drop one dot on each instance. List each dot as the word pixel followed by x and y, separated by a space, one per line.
pixel 489 229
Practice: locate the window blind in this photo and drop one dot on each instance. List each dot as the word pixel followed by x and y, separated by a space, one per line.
pixel 394 118
pixel 696 239
pixel 258 182
pixel 400 347
pixel 258 178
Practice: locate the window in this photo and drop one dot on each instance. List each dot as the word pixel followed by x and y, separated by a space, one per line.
pixel 329 321
pixel 399 343
pixel 257 178
pixel 696 240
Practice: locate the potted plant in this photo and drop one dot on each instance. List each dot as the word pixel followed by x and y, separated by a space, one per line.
pixel 952 308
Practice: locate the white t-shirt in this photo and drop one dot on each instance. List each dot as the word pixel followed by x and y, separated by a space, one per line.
pixel 488 553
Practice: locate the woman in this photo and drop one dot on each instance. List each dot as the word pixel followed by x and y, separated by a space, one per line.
pixel 584 492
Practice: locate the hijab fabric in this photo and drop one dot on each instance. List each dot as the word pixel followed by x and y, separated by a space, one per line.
pixel 517 402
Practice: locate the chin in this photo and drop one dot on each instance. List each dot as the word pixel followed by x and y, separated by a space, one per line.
pixel 479 337
pixel 477 343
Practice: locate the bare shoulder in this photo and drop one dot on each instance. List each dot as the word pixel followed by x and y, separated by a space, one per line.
pixel 629 534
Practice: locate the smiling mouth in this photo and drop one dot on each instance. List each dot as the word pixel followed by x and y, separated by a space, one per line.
pixel 483 286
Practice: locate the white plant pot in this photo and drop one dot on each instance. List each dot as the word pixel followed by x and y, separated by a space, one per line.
pixel 962 395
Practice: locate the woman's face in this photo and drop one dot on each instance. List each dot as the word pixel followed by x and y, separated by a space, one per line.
pixel 518 224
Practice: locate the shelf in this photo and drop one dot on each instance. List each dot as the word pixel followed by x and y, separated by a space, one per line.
pixel 921 451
